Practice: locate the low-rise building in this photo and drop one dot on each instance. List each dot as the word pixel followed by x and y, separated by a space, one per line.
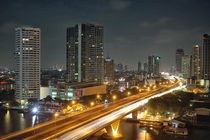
pixel 67 91
pixel 6 85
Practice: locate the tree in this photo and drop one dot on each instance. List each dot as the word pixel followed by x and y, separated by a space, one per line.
pixel 48 99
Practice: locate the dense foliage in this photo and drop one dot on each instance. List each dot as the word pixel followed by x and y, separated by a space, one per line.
pixel 176 102
pixel 7 95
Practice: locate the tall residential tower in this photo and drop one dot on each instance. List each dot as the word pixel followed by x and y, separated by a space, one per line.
pixel 205 57
pixel 179 54
pixel 109 69
pixel 85 53
pixel 154 66
pixel 186 66
pixel 196 62
pixel 27 58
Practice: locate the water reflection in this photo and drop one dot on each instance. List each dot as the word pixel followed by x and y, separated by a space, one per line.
pixel 22 121
pixel 11 121
pixel 143 135
pixel 7 122
pixel 33 120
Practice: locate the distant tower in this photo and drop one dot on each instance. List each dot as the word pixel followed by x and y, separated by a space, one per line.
pixel 154 65
pixel 85 53
pixel 27 60
pixel 196 61
pixel 139 67
pixel 157 66
pixel 145 67
pixel 186 66
pixel 179 54
pixel 205 57
pixel 109 69
pixel 151 65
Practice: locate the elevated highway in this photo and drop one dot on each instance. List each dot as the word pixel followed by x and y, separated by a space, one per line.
pixel 86 123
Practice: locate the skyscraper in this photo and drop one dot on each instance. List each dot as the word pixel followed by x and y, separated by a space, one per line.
pixel 139 67
pixel 150 65
pixel 154 65
pixel 85 53
pixel 145 67
pixel 179 54
pixel 186 65
pixel 27 58
pixel 205 57
pixel 109 69
pixel 196 62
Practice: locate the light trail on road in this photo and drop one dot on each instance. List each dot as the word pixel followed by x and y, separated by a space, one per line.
pixel 100 123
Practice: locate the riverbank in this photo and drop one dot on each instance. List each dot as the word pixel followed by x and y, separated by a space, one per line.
pixel 133 131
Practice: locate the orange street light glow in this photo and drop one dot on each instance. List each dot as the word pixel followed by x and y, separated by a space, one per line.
pixel 114 97
pixel 73 102
pixel 56 114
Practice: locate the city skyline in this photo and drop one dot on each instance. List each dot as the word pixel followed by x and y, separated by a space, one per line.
pixel 104 69
pixel 145 34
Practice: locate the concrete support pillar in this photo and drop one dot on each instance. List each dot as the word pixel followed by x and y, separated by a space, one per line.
pixel 135 115
pixel 109 130
pixel 112 130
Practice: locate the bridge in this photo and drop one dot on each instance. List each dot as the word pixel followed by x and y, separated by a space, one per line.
pixel 86 123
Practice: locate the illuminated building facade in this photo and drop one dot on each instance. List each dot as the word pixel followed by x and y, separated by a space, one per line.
pixel 27 60
pixel 205 57
pixel 186 65
pixel 85 53
pixel 109 70
pixel 196 62
pixel 179 54
pixel 154 66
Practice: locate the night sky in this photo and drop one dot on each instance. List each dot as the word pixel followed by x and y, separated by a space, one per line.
pixel 134 29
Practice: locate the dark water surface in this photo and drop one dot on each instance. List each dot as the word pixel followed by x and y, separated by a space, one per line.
pixel 14 121
pixel 11 121
pixel 132 131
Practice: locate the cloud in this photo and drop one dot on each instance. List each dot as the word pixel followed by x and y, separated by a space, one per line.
pixel 159 22
pixel 120 4
pixel 169 36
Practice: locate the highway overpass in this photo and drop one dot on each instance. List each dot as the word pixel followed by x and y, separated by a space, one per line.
pixel 90 121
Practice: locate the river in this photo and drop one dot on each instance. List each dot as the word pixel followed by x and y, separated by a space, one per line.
pixel 11 121
pixel 14 121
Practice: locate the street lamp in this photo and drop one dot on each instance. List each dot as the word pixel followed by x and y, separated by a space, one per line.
pixel 129 93
pixel 73 102
pixel 35 110
pixel 92 103
pixel 98 96
pixel 56 114
pixel 114 97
